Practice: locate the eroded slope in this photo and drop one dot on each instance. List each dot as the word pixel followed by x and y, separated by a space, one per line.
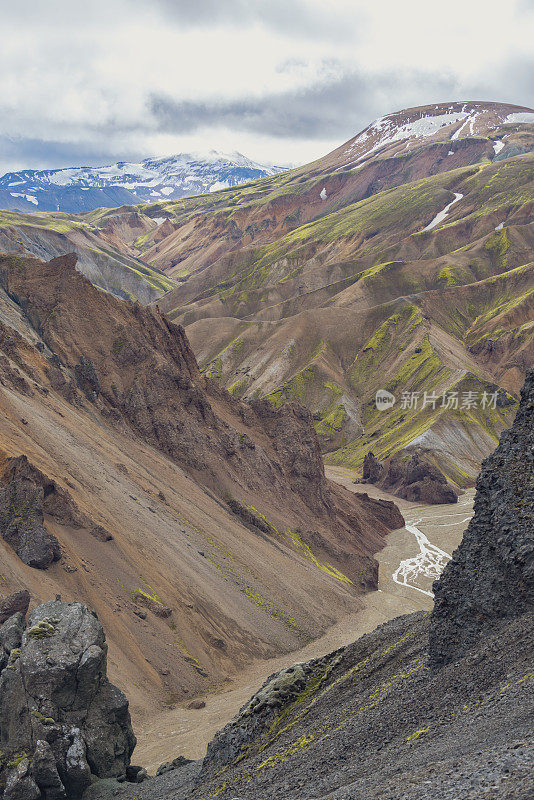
pixel 227 540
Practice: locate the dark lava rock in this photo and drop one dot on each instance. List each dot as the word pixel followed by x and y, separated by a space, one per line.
pixel 176 763
pixel 491 574
pixel 17 602
pixel 24 520
pixel 372 468
pixel 410 476
pixel 22 523
pixel 10 637
pixel 57 708
pixel 86 377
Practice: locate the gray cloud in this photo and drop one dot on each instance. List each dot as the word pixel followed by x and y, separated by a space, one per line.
pixel 296 17
pixel 338 108
pixel 24 153
pixel 117 80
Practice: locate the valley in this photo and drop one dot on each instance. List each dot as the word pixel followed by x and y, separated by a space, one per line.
pixel 244 427
pixel 187 732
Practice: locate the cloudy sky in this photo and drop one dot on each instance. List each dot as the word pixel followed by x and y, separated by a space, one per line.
pixel 283 81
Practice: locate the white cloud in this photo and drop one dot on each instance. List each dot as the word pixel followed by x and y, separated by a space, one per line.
pixel 85 75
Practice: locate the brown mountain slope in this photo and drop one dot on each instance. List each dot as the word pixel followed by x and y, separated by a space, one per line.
pixel 106 400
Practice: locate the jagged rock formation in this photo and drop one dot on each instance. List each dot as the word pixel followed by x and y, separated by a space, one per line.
pixel 16 603
pixel 61 721
pixel 26 495
pixel 22 522
pixel 411 476
pixel 491 574
pixel 140 372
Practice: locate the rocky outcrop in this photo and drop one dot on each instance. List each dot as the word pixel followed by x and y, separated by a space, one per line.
pixel 25 527
pixel 372 469
pixel 16 603
pixel 22 521
pixel 57 501
pixel 256 716
pixel 491 574
pixel 61 721
pixel 410 476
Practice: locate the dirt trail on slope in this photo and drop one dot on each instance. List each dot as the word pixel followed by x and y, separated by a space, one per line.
pixel 183 731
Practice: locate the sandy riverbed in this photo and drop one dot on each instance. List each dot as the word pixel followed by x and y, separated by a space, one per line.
pixel 182 731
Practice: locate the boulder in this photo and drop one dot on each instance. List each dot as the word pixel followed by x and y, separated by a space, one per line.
pixel 57 705
pixel 28 495
pixel 20 784
pixel 22 523
pixel 10 637
pixel 45 772
pixel 15 603
pixel 491 575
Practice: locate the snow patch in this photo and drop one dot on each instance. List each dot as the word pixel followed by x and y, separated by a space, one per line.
pixel 29 197
pixel 323 194
pixel 500 226
pixel 498 146
pixel 390 131
pixel 218 185
pixel 526 117
pixel 442 214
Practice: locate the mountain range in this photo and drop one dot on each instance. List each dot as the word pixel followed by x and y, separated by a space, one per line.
pixel 78 189
pixel 401 261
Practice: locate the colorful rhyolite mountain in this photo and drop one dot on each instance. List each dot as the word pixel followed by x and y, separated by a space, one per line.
pixel 400 261
pixel 79 189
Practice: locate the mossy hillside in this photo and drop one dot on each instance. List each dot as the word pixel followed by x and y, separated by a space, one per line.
pixel 314 682
pixel 138 268
pixel 388 432
pixel 376 220
pixel 306 385
pixel 99 255
pixel 460 312
pixel 331 420
pixel 222 367
pixel 453 276
pixel 497 246
pixel 57 222
pixel 402 207
pixel 390 338
pixel 501 184
pixel 504 306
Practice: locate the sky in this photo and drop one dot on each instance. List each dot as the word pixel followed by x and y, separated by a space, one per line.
pixel 282 81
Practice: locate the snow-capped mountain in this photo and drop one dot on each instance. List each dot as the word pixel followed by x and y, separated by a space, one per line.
pixel 409 129
pixel 79 189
